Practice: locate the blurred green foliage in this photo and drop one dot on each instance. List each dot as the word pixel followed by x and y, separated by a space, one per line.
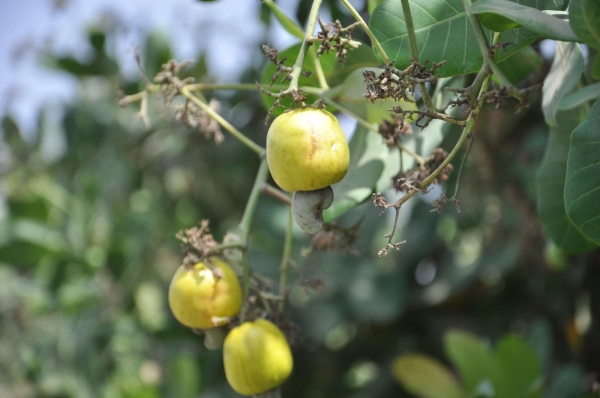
pixel 87 250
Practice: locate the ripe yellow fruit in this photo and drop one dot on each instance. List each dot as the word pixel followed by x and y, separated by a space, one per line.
pixel 200 295
pixel 307 150
pixel 257 357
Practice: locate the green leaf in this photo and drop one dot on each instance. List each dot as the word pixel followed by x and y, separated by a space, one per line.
pixel 550 186
pixel 596 69
pixel 367 154
pixel 426 377
pixel 582 189
pixel 521 64
pixel 443 32
pixel 520 368
pixel 350 95
pixel 472 357
pixel 498 23
pixel 584 17
pixel 563 76
pixel 372 4
pixel 288 24
pixel 335 72
pixel 580 96
pixel 529 17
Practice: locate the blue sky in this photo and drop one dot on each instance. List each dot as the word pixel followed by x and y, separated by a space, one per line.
pixel 28 26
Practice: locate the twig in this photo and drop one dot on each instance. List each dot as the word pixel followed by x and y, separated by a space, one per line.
pixel 276 193
pixel 285 259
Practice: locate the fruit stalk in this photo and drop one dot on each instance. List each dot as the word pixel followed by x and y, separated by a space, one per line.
pixel 275 393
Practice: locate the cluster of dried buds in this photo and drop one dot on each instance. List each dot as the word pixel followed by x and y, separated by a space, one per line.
pixel 398 84
pixel 499 94
pixel 186 112
pixel 198 242
pixel 333 36
pixel 336 239
pixel 280 67
pixel 391 131
pixel 412 179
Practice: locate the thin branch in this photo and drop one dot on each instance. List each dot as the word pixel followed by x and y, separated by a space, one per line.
pixel 244 227
pixel 414 52
pixel 285 259
pixel 276 193
pixel 363 24
pixel 260 151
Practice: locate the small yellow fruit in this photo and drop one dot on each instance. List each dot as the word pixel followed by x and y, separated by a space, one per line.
pixel 200 295
pixel 307 150
pixel 257 357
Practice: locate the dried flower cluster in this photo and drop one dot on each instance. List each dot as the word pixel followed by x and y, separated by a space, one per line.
pixel 411 180
pixel 333 36
pixel 398 84
pixel 187 112
pixel 391 131
pixel 332 238
pixel 198 243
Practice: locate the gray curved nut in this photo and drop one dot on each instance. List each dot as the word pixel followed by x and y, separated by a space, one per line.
pixel 308 206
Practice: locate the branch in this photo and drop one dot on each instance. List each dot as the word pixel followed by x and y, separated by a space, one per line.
pixel 285 259
pixel 414 52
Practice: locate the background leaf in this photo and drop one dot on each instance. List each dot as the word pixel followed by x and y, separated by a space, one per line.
pixel 367 155
pixel 521 64
pixel 550 184
pixel 498 23
pixel 582 189
pixel 443 32
pixel 529 17
pixel 584 17
pixel 426 377
pixel 521 369
pixel 472 357
pixel 563 76
pixel 580 96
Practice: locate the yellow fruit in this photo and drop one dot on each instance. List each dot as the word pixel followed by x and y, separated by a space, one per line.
pixel 200 295
pixel 307 150
pixel 257 357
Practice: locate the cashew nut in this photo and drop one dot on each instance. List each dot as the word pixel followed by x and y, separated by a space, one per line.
pixel 308 206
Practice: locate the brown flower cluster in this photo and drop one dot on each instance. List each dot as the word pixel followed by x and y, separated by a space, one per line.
pixel 391 131
pixel 411 180
pixel 198 243
pixel 333 36
pixel 398 84
pixel 336 239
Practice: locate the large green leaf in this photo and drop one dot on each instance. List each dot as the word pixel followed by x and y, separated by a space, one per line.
pixel 520 368
pixel 521 64
pixel 473 358
pixel 426 377
pixel 550 186
pixel 443 32
pixel 580 96
pixel 529 17
pixel 498 23
pixel 335 72
pixel 367 156
pixel 582 189
pixel 584 17
pixel 563 76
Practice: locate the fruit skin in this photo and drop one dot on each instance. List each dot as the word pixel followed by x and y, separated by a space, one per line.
pixel 307 150
pixel 257 357
pixel 196 295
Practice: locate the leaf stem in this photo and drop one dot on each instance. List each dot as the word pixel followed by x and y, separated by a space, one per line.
pixel 285 259
pixel 414 52
pixel 363 24
pixel 244 227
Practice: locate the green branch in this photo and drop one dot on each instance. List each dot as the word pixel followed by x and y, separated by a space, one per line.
pixel 244 227
pixel 310 28
pixel 285 259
